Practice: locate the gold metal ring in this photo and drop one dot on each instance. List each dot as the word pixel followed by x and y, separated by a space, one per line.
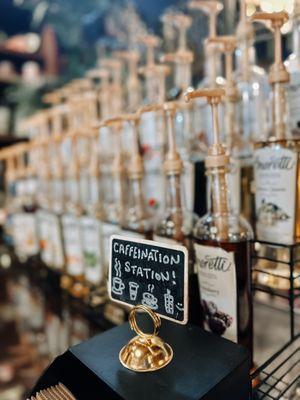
pixel 134 326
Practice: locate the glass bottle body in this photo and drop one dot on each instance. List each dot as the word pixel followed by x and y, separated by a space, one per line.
pixel 175 226
pixel 222 250
pixel 137 220
pixel 72 237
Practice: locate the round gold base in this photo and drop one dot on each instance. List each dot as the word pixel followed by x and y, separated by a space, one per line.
pixel 145 354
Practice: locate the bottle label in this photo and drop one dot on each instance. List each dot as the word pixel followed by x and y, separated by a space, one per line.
pixel 275 171
pixel 73 244
pixel 91 246
pixel 108 229
pixel 166 240
pixel 234 183
pixel 218 289
pixel 25 234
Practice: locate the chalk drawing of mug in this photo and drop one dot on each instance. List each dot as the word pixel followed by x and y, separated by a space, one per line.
pixel 133 290
pixel 117 286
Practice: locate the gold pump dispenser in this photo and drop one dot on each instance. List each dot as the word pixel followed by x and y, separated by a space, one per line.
pixel 227 46
pixel 211 9
pixel 276 172
pixel 278 75
pixel 155 74
pixel 133 85
pixel 182 57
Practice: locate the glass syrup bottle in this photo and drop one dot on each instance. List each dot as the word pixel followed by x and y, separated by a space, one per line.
pixel 72 233
pixel 276 160
pixel 277 172
pixel 222 246
pixel 92 229
pixel 175 224
pixel 24 220
pixel 136 221
pixel 252 83
pixel 113 181
pixel 292 64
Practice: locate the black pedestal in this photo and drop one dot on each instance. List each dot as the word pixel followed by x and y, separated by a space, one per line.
pixel 204 367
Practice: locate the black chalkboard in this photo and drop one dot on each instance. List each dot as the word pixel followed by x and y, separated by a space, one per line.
pixel 150 273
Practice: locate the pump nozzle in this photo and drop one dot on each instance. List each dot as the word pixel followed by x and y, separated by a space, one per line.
pixel 211 9
pixel 217 154
pixel 278 72
pixel 228 45
pixel 182 55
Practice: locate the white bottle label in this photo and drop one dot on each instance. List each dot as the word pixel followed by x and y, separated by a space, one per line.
pixel 91 245
pixel 217 281
pixel 234 182
pixel 25 234
pixel 275 171
pixel 73 244
pixel 108 229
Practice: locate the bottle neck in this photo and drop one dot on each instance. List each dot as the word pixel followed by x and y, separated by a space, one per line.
pixel 245 57
pixel 296 36
pixel 183 75
pixel 136 209
pixel 212 65
pixel 219 200
pixel 279 112
pixel 174 193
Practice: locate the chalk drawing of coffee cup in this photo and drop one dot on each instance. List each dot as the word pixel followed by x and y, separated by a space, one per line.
pixel 133 290
pixel 150 301
pixel 117 286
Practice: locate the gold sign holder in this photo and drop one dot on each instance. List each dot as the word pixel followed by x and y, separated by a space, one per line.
pixel 145 352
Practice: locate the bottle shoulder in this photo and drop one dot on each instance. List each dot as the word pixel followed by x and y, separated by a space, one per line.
pixel 208 228
pixel 173 220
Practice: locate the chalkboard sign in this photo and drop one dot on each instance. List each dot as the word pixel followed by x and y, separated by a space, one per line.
pixel 150 273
